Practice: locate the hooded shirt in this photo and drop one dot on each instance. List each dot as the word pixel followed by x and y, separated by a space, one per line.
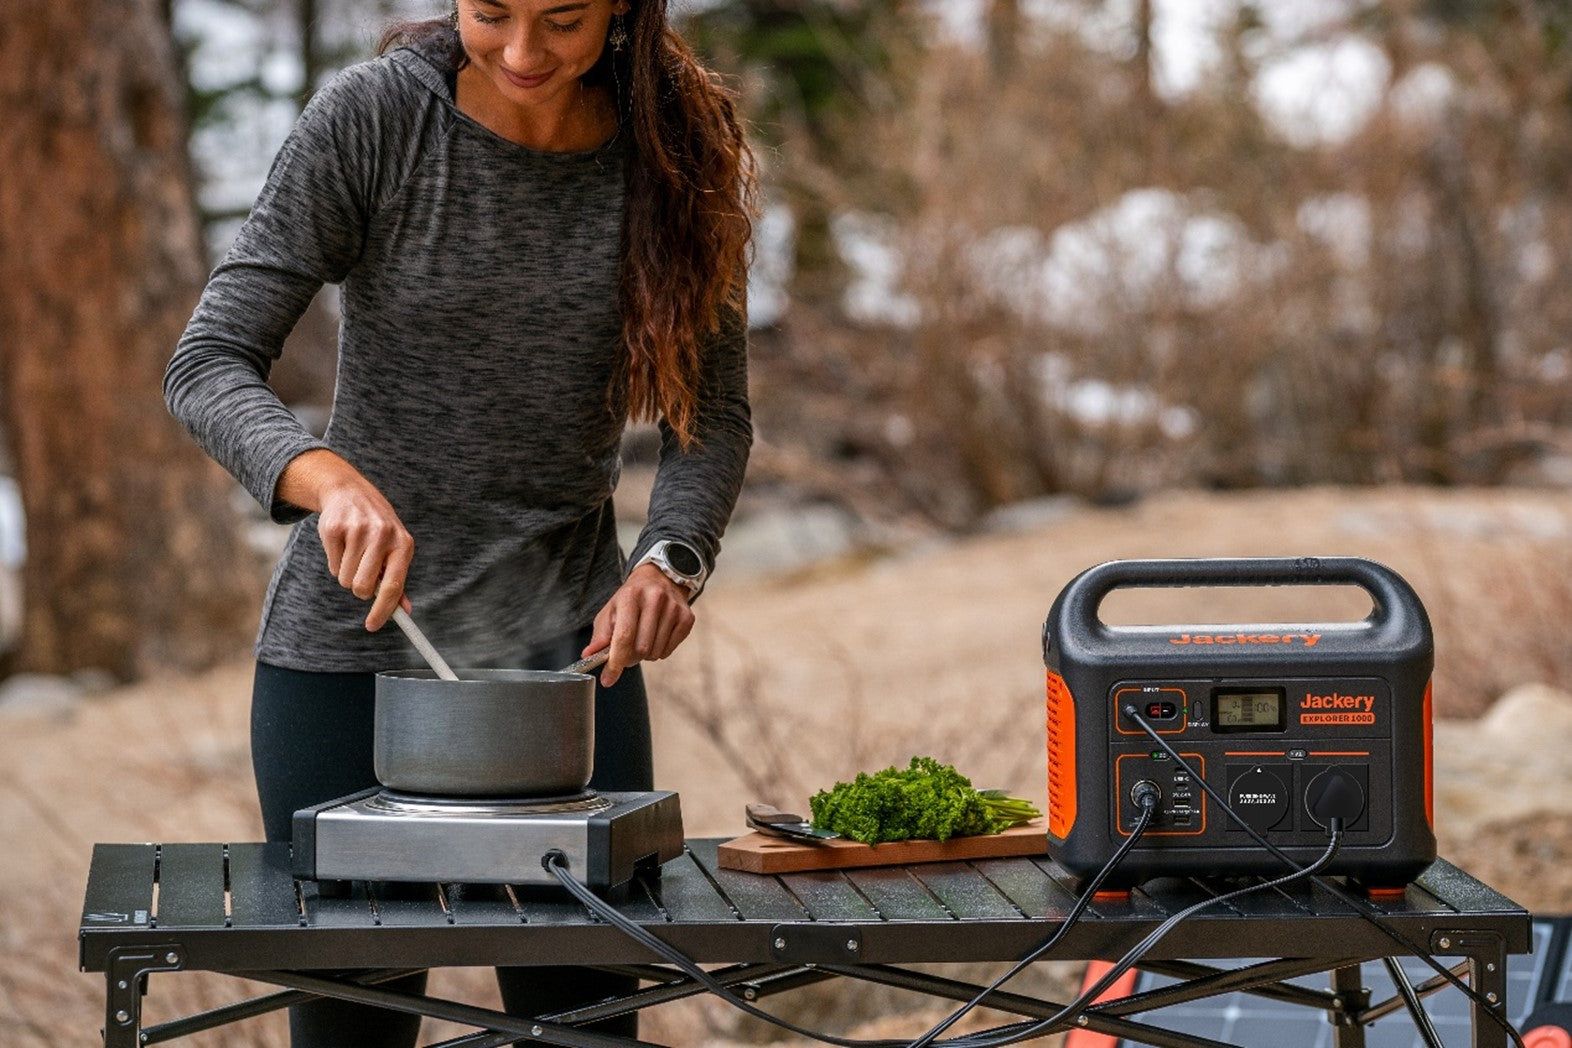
pixel 479 340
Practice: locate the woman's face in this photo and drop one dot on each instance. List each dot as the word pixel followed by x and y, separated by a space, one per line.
pixel 532 50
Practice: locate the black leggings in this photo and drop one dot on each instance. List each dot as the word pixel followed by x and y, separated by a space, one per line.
pixel 311 741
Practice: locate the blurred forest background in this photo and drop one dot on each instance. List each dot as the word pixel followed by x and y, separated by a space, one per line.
pixel 1038 283
pixel 1012 249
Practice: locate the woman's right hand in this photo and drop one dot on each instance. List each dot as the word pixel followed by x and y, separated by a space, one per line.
pixel 368 548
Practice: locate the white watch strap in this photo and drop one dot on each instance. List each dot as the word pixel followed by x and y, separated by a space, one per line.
pixel 657 557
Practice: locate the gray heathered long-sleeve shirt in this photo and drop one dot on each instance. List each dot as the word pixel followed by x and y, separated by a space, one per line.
pixel 480 331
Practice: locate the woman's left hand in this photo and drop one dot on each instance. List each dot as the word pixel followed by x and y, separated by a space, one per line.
pixel 645 619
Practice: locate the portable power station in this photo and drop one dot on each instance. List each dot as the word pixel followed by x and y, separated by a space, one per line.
pixel 1294 724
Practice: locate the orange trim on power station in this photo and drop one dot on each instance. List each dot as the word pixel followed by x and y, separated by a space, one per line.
pixel 1123 986
pixel 1386 893
pixel 1430 768
pixel 1339 753
pixel 1061 757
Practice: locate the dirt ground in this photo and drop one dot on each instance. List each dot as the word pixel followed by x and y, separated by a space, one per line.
pixel 792 682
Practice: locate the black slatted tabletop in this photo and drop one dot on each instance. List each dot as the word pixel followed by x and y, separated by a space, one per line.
pixel 237 907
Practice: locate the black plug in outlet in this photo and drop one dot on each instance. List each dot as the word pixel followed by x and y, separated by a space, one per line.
pixel 1335 794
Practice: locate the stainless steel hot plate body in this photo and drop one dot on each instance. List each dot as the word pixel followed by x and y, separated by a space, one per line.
pixel 381 836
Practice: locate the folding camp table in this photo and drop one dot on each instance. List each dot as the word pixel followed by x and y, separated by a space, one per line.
pixel 237 909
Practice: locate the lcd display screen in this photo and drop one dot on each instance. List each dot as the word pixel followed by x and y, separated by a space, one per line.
pixel 1249 709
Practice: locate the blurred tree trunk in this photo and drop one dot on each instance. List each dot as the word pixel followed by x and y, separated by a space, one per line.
pixel 1154 123
pixel 135 555
pixel 1004 35
pixel 1145 88
pixel 312 60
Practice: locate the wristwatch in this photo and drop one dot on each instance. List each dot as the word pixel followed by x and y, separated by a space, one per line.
pixel 680 563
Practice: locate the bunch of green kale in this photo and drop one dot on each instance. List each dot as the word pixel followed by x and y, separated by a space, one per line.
pixel 925 801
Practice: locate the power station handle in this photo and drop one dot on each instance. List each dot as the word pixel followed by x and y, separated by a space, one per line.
pixel 1395 605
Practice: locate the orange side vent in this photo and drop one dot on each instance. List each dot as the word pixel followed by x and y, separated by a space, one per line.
pixel 1061 757
pixel 1430 770
pixel 1124 986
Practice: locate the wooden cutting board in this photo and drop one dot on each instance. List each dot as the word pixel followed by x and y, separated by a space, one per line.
pixel 756 853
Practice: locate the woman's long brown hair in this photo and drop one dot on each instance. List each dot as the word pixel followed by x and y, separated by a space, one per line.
pixel 691 194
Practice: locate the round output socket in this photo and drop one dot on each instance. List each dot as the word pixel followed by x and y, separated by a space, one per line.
pixel 1146 788
pixel 1259 797
pixel 1335 794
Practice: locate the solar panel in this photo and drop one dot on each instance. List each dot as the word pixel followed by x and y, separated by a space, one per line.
pixel 1533 981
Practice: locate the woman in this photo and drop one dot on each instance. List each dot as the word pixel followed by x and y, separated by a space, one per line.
pixel 538 211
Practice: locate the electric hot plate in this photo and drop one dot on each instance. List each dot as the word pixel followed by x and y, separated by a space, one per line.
pixel 383 835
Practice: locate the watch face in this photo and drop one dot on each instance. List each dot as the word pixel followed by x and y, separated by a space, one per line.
pixel 683 558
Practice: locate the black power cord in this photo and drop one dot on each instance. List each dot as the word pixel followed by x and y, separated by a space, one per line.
pixel 1359 906
pixel 556 863
pixel 1015 1032
pixel 1148 800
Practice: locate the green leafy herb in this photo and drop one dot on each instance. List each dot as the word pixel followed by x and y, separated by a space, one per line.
pixel 1007 810
pixel 925 801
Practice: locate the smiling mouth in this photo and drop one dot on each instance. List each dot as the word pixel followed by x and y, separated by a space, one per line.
pixel 519 80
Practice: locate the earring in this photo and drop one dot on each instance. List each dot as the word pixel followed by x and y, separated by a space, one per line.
pixel 453 17
pixel 619 34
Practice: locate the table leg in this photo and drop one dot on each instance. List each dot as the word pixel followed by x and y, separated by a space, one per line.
pixel 1487 974
pixel 125 979
pixel 1352 999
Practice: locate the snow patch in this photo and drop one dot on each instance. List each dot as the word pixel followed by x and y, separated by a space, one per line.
pixel 1322 94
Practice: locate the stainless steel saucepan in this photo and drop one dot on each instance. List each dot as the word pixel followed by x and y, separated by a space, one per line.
pixel 489 733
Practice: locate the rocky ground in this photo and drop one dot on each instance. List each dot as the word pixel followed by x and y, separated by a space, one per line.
pixel 808 668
